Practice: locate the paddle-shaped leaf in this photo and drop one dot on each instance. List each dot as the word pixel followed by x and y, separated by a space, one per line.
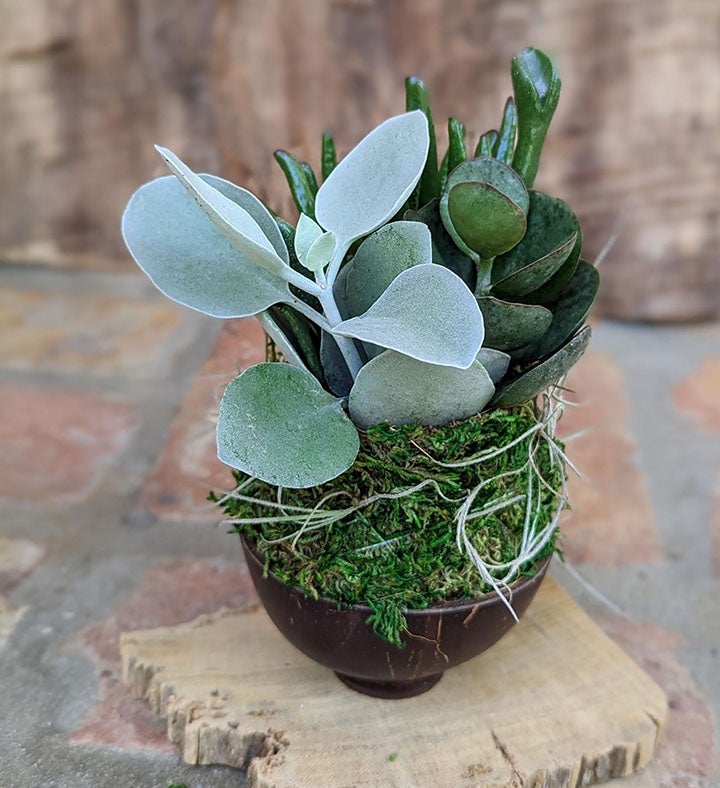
pixel 569 311
pixel 427 313
pixel 483 207
pixel 509 326
pixel 372 182
pixel 396 389
pixel 233 221
pixel 189 259
pixel 551 234
pixel 380 258
pixel 529 385
pixel 277 423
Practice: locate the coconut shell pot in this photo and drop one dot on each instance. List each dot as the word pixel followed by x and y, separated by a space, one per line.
pixel 437 638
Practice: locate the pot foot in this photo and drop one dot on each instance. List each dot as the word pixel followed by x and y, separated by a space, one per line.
pixel 390 689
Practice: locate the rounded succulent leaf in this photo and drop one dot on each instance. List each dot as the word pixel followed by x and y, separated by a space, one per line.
pixel 552 231
pixel 483 207
pixel 278 424
pixel 397 389
pixel 533 382
pixel 510 326
pixel 569 311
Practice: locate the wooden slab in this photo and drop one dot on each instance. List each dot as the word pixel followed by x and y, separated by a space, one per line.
pixel 556 703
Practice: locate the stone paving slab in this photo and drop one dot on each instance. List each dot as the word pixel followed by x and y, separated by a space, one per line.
pixel 106 455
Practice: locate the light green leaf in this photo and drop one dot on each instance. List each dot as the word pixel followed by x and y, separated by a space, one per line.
pixel 306 233
pixel 427 313
pixel 380 258
pixel 278 424
pixel 397 389
pixel 320 252
pixel 233 221
pixel 189 259
pixel 496 363
pixel 509 326
pixel 536 380
pixel 372 182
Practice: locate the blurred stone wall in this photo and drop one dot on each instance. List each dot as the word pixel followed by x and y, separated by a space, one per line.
pixel 86 88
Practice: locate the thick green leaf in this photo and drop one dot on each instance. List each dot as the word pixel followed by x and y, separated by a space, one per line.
pixel 372 182
pixel 487 143
pixel 444 250
pixel 496 363
pixel 278 424
pixel 508 131
pixel 380 258
pixel 337 374
pixel 427 313
pixel 416 97
pixel 536 380
pixel 456 143
pixel 550 238
pixel 300 186
pixel 509 326
pixel 569 310
pixel 328 156
pixel 485 220
pixel 559 279
pixel 303 335
pixel 231 219
pixel 396 389
pixel 536 85
pixel 489 203
pixel 189 259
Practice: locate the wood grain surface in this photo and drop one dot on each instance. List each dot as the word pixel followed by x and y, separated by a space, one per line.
pixel 555 703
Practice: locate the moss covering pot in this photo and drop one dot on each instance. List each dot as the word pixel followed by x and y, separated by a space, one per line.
pixel 396 452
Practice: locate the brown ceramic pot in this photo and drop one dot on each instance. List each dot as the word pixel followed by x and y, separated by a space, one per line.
pixel 438 637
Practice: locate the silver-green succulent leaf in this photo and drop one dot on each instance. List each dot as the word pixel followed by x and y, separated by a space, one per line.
pixel 396 389
pixel 496 363
pixel 427 313
pixel 370 185
pixel 306 233
pixel 187 257
pixel 278 424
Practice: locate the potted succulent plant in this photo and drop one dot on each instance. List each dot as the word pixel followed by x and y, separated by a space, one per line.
pixel 399 481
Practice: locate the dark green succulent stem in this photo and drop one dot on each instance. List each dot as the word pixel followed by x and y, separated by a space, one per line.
pixel 456 143
pixel 428 188
pixel 536 85
pixel 487 144
pixel 508 131
pixel 302 334
pixel 484 272
pixel 297 180
pixel 328 155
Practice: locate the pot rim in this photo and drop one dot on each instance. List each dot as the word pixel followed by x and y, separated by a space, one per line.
pixel 485 600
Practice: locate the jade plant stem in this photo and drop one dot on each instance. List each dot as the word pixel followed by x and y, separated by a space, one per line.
pixel 484 269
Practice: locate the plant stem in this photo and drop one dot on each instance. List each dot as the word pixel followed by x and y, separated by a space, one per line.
pixel 346 345
pixel 484 268
pixel 309 313
pixel 334 267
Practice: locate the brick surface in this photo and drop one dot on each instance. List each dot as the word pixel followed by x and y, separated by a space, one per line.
pixel 171 593
pixel 18 557
pixel 57 443
pixel 99 334
pixel 188 466
pixel 698 396
pixel 687 755
pixel 611 520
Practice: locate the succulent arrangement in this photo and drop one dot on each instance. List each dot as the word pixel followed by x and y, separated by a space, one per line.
pixel 412 293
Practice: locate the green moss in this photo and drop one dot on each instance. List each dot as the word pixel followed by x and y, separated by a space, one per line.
pixel 393 555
